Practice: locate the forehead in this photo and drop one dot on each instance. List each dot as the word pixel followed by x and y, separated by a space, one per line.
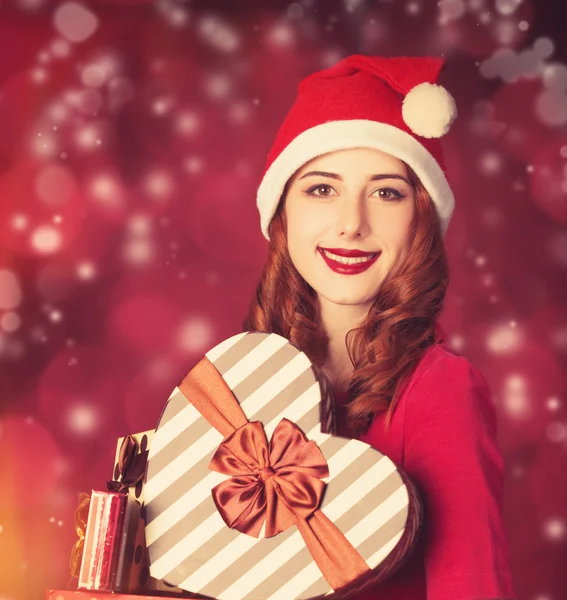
pixel 366 161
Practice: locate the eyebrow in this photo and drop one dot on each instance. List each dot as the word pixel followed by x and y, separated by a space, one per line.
pixel 373 178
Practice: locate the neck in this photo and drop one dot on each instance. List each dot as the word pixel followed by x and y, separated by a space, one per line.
pixel 337 320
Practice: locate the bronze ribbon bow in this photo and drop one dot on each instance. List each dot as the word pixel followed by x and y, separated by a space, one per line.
pixel 279 483
pixel 81 518
pixel 131 466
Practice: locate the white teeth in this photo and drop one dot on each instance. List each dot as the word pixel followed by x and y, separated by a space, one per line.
pixel 348 260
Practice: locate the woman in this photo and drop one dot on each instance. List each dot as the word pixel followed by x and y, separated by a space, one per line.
pixel 355 204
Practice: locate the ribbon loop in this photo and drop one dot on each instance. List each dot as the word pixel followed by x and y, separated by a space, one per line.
pixel 131 466
pixel 276 483
pixel 81 518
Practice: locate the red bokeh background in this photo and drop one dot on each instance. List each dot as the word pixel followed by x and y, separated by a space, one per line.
pixel 133 136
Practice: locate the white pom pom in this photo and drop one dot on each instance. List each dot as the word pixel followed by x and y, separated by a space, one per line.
pixel 429 110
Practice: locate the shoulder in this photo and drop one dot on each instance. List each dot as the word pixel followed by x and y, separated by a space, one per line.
pixel 447 388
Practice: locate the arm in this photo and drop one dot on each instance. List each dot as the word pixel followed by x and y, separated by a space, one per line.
pixel 452 454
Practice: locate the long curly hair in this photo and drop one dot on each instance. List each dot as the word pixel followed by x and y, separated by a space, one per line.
pixel 387 346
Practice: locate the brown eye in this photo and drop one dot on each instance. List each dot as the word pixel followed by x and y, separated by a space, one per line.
pixel 320 186
pixel 389 194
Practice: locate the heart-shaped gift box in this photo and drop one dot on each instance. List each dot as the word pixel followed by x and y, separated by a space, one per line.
pixel 249 497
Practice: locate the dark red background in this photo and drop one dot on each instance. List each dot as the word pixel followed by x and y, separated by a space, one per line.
pixel 130 240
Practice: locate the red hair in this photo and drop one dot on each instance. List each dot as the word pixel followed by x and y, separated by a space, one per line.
pixel 399 327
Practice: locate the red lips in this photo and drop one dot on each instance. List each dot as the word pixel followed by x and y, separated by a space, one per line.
pixel 352 269
pixel 347 253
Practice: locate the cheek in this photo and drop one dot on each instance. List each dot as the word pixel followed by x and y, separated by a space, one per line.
pixel 305 223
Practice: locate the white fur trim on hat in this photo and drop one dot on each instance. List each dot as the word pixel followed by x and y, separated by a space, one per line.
pixel 429 110
pixel 342 135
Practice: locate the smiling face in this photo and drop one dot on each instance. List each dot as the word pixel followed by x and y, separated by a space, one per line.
pixel 355 199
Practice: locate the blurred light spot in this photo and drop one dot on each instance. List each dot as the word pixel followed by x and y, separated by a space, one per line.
pixel 138 251
pixel 413 8
pixel 10 290
pixel 554 529
pixel 505 31
pixel 281 35
pixel 88 137
pixel 106 190
pixel 555 76
pixel 120 91
pixel 553 403
pixel 523 25
pixel 56 316
pixel 60 48
pixel 46 239
pixel 352 5
pixel 82 419
pixel 85 271
pixel 491 216
pixel 10 321
pixel 507 7
pixel 161 106
pixel 31 4
pixel 139 225
pixel 193 164
pixel 57 112
pixel 490 163
pixel 295 11
pixel 195 335
pixel 19 222
pixel 90 102
pixel 160 370
pixel 172 13
pixel 515 396
pixel 186 122
pixel 55 185
pixel 239 112
pixel 44 145
pixel 39 74
pixel 218 86
pixel 517 471
pixel 557 247
pixel 450 10
pixel 551 107
pixel 93 75
pixel 544 47
pixel 74 21
pixel 43 57
pixel 457 342
pixel 159 185
pixel 218 34
pixel 556 432
pixel 480 260
pixel 504 339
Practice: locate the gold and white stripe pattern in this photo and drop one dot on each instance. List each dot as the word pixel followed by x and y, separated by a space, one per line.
pixel 189 544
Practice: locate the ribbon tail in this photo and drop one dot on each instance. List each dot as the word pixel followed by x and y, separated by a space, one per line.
pixel 337 559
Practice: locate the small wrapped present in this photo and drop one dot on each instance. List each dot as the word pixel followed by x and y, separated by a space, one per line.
pixel 129 470
pixel 248 495
pixel 102 540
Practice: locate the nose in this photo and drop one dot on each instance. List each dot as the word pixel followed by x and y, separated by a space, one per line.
pixel 352 220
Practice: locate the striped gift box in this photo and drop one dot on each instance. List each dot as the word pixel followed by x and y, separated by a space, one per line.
pixel 189 544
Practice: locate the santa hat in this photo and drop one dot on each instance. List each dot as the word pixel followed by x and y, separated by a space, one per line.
pixel 390 104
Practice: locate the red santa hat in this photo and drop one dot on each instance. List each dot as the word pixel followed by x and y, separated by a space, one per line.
pixel 391 104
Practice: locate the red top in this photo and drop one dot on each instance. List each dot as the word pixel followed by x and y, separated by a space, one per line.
pixel 443 434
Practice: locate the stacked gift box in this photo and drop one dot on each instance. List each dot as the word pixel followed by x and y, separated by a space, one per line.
pixel 244 492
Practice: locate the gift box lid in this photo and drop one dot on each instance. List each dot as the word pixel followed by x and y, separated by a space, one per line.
pixel 211 514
